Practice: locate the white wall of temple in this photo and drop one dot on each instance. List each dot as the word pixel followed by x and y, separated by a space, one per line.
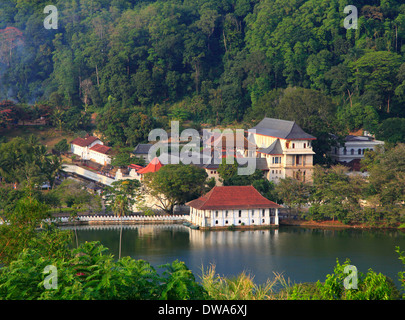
pixel 225 218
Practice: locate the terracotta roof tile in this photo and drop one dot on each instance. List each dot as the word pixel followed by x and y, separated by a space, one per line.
pixel 84 142
pixel 100 148
pixel 232 197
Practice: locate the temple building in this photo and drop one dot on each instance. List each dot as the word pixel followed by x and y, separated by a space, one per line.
pixel 233 205
pixel 286 147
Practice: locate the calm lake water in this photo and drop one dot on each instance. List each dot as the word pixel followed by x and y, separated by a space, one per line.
pixel 300 254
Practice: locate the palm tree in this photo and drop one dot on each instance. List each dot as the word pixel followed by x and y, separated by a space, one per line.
pixel 120 198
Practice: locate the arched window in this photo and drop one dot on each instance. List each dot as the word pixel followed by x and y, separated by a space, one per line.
pixel 359 151
pixel 352 152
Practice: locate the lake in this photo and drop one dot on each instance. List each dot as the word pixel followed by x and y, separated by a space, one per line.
pixel 300 254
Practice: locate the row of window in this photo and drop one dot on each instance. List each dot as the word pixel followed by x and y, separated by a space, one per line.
pixel 240 213
pixel 239 222
pixel 352 151
pixel 293 145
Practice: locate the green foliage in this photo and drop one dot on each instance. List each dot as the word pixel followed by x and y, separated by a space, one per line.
pixel 121 196
pixel 28 162
pixel 89 273
pixel 175 184
pixel 401 274
pixel 370 286
pixel 138 64
pixel 62 146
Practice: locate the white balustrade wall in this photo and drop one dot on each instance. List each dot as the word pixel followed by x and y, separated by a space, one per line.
pixel 156 218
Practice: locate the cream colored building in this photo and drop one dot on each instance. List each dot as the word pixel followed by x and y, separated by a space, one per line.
pixel 286 147
pixel 224 206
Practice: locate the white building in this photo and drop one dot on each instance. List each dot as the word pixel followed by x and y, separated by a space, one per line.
pixel 354 148
pixel 91 148
pixel 233 205
pixel 286 147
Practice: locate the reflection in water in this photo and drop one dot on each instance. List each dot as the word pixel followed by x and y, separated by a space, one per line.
pixel 301 254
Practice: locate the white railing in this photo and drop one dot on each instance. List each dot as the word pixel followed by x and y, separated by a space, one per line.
pixel 118 219
pixel 126 218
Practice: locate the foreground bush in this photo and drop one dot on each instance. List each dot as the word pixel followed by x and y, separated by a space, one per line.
pixel 370 286
pixel 91 274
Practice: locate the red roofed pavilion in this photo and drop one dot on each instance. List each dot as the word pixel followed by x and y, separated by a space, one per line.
pixel 233 205
pixel 153 166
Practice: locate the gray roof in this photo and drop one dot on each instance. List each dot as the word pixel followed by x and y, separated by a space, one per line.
pixel 274 148
pixel 358 138
pixel 142 148
pixel 282 129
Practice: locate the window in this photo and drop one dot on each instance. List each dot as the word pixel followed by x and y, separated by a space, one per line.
pixel 240 213
pixel 226 214
pixel 352 151
pixel 216 214
pixel 293 145
pixel 216 221
pixel 305 145
pixel 226 221
pixel 263 211
pixel 344 151
pixel 253 213
pixel 262 220
pixel 359 151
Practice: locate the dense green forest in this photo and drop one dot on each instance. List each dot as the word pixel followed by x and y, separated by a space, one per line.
pixel 138 64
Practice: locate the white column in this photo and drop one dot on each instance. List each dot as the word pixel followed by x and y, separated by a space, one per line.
pixel 276 218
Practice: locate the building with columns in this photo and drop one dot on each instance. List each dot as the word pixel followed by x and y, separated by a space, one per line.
pixel 225 206
pixel 286 147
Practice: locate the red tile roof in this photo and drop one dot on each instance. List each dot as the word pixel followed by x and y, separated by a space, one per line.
pixel 232 197
pixel 100 148
pixel 84 142
pixel 153 166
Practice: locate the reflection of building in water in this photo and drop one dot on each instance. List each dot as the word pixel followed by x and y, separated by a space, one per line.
pixel 233 205
pixel 201 239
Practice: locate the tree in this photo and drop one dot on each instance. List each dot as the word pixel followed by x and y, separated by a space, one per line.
pixel 377 71
pixel 121 196
pixel 25 215
pixel 175 184
pixel 293 193
pixel 122 159
pixel 335 194
pixel 62 146
pixel 392 130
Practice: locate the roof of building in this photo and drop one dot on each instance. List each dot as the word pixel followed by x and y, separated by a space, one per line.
pixel 232 197
pixel 84 142
pixel 228 140
pixel 142 148
pixel 100 149
pixel 358 138
pixel 153 166
pixel 274 148
pixel 213 164
pixel 135 166
pixel 282 129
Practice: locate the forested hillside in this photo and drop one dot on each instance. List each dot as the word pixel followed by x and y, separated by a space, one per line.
pixel 138 64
